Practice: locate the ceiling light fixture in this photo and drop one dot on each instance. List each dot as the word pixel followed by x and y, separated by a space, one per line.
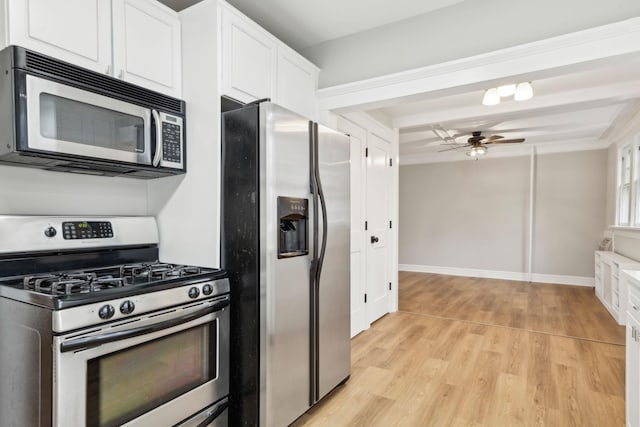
pixel 506 90
pixel 520 92
pixel 523 92
pixel 491 97
pixel 477 151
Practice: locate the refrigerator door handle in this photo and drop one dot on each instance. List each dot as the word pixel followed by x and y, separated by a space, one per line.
pixel 313 274
pixel 323 206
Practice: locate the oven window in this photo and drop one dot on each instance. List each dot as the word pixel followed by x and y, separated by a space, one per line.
pixel 65 119
pixel 124 385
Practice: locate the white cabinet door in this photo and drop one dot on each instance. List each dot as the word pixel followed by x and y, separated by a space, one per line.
pixel 75 31
pixel 146 45
pixel 296 88
pixel 248 59
pixel 633 371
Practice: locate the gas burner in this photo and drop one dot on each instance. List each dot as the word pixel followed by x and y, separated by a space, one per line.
pixel 108 282
pixel 71 283
pixel 157 271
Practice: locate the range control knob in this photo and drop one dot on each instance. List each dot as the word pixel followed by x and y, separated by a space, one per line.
pixel 194 293
pixel 207 289
pixel 50 232
pixel 106 311
pixel 127 307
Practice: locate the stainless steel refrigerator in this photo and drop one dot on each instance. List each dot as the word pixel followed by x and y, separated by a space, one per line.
pixel 286 247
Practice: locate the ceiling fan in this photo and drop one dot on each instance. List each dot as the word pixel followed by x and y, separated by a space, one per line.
pixel 477 144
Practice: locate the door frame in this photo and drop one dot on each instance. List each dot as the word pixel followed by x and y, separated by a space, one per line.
pixel 363 126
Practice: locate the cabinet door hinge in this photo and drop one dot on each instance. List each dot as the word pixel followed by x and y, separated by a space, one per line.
pixel 366 152
pixel 365 298
pixel 390 162
pixel 389 285
pixel 390 224
pixel 366 225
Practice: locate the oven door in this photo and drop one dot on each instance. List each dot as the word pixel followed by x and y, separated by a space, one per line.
pixel 65 120
pixel 153 370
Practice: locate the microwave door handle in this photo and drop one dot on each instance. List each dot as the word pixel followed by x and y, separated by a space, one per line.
pixel 97 340
pixel 158 153
pixel 215 412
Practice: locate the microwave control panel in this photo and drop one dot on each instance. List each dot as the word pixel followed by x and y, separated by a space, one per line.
pixel 86 230
pixel 171 141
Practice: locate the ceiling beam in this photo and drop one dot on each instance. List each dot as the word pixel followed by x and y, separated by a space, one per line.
pixel 581 99
pixel 607 44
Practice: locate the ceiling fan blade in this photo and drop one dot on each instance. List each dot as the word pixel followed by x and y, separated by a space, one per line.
pixel 454 148
pixel 505 141
pixel 494 137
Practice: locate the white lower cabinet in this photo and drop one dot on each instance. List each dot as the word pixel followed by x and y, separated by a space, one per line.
pixel 633 351
pixel 611 286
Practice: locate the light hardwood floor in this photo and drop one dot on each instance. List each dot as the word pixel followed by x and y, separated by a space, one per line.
pixel 489 366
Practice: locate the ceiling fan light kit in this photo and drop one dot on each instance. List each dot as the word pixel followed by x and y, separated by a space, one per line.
pixel 520 92
pixel 478 144
pixel 476 152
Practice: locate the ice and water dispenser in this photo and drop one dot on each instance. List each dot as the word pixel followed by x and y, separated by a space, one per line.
pixel 293 215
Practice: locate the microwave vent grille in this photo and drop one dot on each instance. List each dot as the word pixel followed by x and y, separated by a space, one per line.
pixel 109 85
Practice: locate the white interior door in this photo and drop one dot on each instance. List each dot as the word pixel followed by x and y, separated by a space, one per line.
pixel 358 138
pixel 378 241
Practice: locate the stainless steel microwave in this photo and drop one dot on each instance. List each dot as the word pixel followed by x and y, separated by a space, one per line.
pixel 57 116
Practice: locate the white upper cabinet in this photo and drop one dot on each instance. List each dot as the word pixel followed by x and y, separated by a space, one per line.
pixel 256 65
pixel 76 31
pixel 297 81
pixel 146 46
pixel 248 59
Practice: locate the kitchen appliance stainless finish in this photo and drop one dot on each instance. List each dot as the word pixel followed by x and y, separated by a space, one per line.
pixel 101 333
pixel 62 117
pixel 286 246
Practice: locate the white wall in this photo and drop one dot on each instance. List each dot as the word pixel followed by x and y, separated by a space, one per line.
pixel 569 211
pixel 465 29
pixel 475 215
pixel 187 207
pixel 468 214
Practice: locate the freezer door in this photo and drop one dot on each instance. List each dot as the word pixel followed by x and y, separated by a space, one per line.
pixel 285 281
pixel 334 344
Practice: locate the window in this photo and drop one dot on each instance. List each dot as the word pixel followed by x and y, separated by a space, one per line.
pixel 628 190
pixel 624 187
pixel 636 184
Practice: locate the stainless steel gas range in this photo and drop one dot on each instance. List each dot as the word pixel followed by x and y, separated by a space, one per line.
pixel 95 331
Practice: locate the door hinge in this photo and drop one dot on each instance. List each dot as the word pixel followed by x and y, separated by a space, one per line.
pixel 365 298
pixel 389 285
pixel 366 152
pixel 390 224
pixel 390 162
pixel 366 225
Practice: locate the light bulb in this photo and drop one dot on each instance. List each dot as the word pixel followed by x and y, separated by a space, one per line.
pixel 524 91
pixel 491 97
pixel 506 90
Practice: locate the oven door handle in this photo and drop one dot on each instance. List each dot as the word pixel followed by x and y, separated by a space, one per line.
pixel 95 341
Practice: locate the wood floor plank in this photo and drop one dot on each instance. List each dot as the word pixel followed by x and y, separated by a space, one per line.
pixel 497 365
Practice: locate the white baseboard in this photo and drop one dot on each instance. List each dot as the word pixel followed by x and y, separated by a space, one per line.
pixel 505 275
